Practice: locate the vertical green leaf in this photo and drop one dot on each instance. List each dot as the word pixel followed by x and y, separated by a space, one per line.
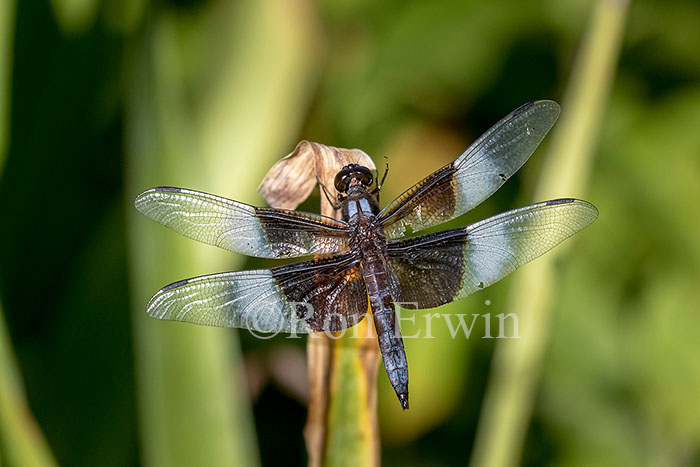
pixel 21 440
pixel 352 429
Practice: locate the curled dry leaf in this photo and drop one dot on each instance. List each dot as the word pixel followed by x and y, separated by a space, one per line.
pixel 291 180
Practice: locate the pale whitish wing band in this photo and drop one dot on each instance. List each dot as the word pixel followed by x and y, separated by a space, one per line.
pixel 475 175
pixel 239 227
pixel 499 245
pixel 500 152
pixel 244 299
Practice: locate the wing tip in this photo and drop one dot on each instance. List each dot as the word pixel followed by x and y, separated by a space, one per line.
pixel 591 212
pixel 145 197
pixel 576 201
pixel 542 103
pixel 554 202
pixel 548 110
pixel 572 201
pixel 155 303
pixel 167 189
pixel 175 285
pixel 160 189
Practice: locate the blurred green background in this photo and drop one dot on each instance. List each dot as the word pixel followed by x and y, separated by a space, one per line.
pixel 100 100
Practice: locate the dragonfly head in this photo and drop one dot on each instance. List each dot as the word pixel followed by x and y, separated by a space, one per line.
pixel 352 175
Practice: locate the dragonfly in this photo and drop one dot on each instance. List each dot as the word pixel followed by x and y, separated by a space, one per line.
pixel 365 260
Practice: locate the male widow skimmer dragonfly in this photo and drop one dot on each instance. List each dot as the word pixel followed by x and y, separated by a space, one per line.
pixel 361 260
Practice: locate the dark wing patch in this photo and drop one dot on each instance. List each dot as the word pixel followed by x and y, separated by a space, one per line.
pixel 438 268
pixel 325 294
pixel 427 270
pixel 475 175
pixel 334 288
pixel 239 227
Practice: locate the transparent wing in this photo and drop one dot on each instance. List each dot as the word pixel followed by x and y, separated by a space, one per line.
pixel 326 294
pixel 434 269
pixel 475 175
pixel 239 227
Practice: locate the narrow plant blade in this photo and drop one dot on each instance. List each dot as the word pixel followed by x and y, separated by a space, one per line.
pixel 21 440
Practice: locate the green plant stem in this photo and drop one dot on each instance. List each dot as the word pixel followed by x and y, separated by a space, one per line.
pixel 352 428
pixel 209 118
pixel 517 363
pixel 21 440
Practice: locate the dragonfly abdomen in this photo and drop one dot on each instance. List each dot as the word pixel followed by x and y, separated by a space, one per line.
pixel 388 331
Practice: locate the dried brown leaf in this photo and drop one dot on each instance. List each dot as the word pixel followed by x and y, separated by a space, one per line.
pixel 291 180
